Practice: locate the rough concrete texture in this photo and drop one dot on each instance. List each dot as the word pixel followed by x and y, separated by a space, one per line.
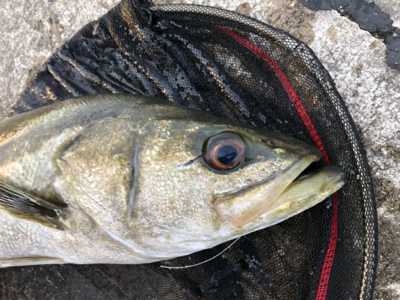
pixel 32 29
pixel 371 89
pixel 392 7
pixel 30 32
pixel 369 16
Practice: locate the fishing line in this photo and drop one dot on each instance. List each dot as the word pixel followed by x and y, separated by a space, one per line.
pixel 203 262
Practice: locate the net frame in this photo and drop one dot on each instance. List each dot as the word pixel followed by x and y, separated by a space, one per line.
pixel 247 33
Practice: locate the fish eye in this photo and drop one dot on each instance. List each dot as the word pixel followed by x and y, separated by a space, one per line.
pixel 224 151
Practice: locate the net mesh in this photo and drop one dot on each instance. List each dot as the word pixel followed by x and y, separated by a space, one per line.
pixel 240 69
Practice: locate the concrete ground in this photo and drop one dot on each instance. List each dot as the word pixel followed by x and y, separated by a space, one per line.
pixel 356 59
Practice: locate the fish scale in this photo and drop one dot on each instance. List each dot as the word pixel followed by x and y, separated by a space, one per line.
pixel 128 179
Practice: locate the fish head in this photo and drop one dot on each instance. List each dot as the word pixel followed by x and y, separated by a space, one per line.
pixel 202 183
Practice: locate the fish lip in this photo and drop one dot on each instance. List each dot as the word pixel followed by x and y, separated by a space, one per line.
pixel 238 209
pixel 229 195
pixel 232 194
pixel 298 202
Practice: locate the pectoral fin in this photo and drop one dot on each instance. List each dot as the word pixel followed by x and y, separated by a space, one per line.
pixel 29 261
pixel 22 205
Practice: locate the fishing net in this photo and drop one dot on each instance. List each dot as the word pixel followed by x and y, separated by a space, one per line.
pixel 240 69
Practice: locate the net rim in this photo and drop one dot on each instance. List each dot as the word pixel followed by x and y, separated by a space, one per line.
pixel 316 68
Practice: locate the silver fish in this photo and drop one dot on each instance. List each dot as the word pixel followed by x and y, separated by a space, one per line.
pixel 128 180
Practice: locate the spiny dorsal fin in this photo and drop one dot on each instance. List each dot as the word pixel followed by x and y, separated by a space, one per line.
pixel 25 206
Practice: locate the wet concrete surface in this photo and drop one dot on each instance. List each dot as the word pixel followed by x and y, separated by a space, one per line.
pixel 371 17
pixel 356 59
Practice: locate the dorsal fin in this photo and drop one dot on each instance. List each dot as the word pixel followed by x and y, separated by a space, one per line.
pixel 22 205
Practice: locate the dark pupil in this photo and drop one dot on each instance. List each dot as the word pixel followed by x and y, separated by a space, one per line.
pixel 227 155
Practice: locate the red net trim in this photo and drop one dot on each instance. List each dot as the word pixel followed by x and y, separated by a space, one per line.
pixel 326 269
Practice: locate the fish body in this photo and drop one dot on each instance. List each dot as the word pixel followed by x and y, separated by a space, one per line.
pixel 129 179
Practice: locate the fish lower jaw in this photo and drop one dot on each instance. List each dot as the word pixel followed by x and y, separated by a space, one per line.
pixel 300 196
pixel 248 204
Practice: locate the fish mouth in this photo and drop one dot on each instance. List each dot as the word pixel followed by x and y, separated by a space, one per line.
pixel 276 199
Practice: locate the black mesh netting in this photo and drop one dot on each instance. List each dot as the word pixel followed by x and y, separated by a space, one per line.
pixel 241 69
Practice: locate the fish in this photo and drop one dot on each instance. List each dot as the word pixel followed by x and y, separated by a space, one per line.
pixel 123 179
